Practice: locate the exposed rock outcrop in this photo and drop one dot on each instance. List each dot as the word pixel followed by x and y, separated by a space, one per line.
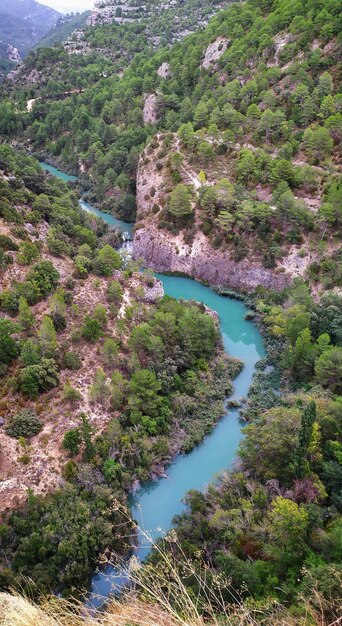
pixel 214 52
pixel 165 253
pixel 150 109
pixel 164 70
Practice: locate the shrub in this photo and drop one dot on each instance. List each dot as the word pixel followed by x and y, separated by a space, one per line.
pixel 206 228
pixel 69 471
pixel 24 424
pixel 70 393
pixel 6 243
pixel 71 361
pixel 72 441
pixel 92 329
pixel 28 253
pixel 36 378
pixel 217 241
pixel 45 276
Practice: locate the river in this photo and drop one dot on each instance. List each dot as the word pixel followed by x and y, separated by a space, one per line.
pixel 125 227
pixel 156 503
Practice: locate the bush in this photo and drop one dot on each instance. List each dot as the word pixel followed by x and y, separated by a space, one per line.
pixel 92 329
pixel 28 253
pixel 72 441
pixel 45 276
pixel 71 361
pixel 6 243
pixel 114 292
pixel 206 228
pixel 70 393
pixel 24 424
pixel 36 378
pixel 59 321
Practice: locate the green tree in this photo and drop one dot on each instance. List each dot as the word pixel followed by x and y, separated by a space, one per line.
pixel 87 432
pixel 296 318
pixel 288 531
pixel 110 351
pixel 107 261
pixel 205 152
pixel 100 314
pixel 72 441
pixel 180 202
pixel 118 390
pixel 114 292
pixel 304 438
pixel 301 357
pixel 269 443
pixel 328 369
pixel 45 276
pixel 8 346
pixel 26 317
pixel 318 143
pixel 99 390
pixel 91 329
pixel 47 335
pixel 201 115
pixel 58 311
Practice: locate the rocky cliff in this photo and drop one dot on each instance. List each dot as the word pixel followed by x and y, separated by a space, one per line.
pixel 165 253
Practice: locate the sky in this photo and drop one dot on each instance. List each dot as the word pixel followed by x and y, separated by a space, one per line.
pixel 68 6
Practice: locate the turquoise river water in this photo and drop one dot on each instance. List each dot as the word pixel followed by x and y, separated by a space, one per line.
pixel 125 227
pixel 154 505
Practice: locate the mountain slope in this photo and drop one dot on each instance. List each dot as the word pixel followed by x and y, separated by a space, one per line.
pixel 63 28
pixel 22 24
pixel 250 111
pixel 39 17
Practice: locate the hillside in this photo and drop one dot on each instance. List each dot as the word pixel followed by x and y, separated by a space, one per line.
pixel 258 124
pixel 63 28
pixel 38 18
pixel 22 25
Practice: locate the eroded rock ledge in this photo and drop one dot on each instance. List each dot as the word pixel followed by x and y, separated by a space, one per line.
pixel 200 261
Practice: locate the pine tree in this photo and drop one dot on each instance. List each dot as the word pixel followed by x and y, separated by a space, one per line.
pixel 180 202
pixel 26 316
pixel 304 438
pixel 47 335
pixel 87 431
pixel 99 390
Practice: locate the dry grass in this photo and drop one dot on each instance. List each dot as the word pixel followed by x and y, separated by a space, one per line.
pixel 163 599
pixel 16 610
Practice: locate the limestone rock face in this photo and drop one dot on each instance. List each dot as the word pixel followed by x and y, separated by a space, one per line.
pixel 164 254
pixel 150 109
pixel 13 54
pixel 164 70
pixel 214 52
